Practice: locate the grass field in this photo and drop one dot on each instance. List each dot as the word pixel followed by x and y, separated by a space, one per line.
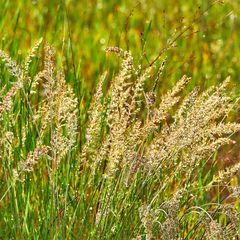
pixel 119 119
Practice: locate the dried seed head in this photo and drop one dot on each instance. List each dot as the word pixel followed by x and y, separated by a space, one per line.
pixel 32 158
pixel 31 55
pixel 147 221
pixel 12 66
pixel 214 231
pixel 49 60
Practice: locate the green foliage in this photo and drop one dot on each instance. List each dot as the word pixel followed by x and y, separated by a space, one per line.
pixel 133 154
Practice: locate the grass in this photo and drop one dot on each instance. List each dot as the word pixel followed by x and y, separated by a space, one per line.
pixel 136 153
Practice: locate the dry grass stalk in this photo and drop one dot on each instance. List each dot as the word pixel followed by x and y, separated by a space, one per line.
pixel 129 133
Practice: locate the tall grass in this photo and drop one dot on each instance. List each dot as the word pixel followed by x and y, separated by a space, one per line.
pixel 135 166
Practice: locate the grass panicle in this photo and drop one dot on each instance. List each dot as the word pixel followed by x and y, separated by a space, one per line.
pixel 143 170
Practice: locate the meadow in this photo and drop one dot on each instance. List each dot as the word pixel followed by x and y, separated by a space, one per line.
pixel 119 119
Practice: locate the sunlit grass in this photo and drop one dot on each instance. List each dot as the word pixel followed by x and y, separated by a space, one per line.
pixel 58 196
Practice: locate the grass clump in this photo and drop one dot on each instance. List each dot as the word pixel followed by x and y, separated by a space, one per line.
pixel 145 169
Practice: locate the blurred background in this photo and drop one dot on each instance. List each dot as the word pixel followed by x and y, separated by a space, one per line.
pixel 80 30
